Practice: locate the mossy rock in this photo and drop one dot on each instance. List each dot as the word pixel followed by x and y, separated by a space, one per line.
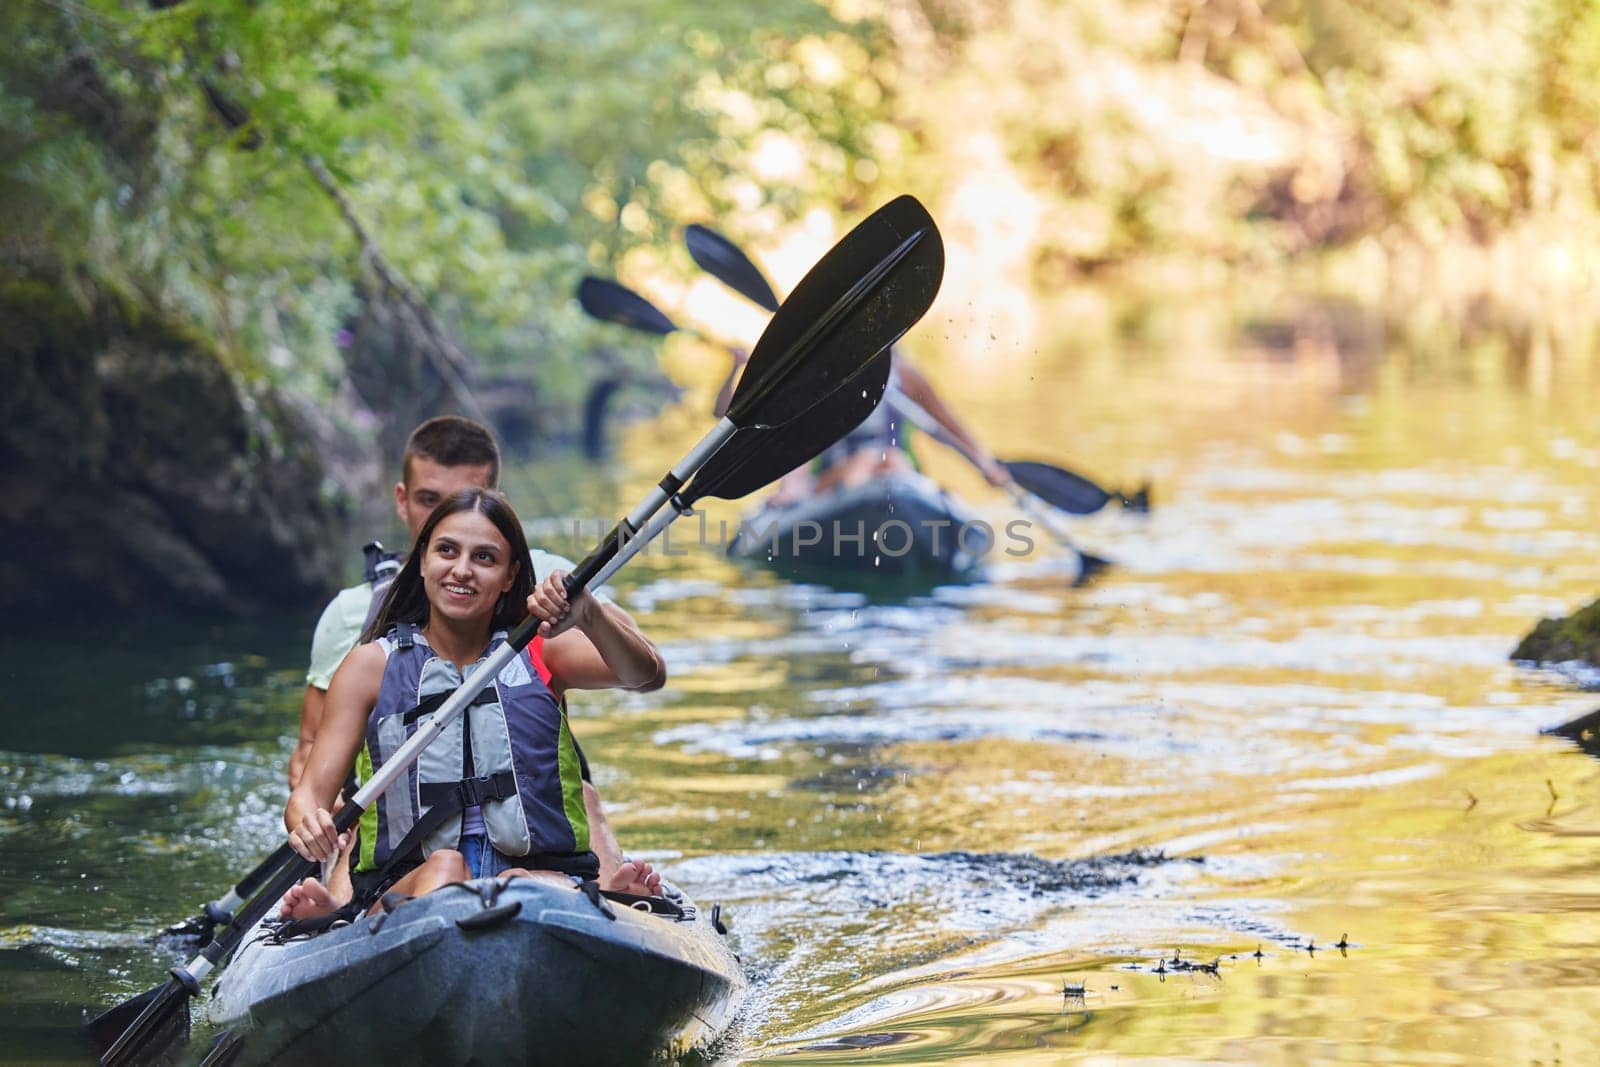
pixel 141 474
pixel 1576 637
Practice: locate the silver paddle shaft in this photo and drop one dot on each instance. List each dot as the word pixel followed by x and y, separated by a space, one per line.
pixel 483 674
pixel 713 440
pixel 651 531
pixel 480 677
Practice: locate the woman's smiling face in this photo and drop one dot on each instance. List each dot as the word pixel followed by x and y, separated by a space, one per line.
pixel 467 566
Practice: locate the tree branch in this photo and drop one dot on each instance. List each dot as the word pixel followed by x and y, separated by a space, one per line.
pixel 451 364
pixel 447 358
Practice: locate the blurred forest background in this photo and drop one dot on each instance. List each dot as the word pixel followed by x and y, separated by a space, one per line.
pixel 247 245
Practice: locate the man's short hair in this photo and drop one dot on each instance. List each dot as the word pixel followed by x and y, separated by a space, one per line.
pixel 453 441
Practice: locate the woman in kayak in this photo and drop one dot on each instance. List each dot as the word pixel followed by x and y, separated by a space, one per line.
pixel 499 792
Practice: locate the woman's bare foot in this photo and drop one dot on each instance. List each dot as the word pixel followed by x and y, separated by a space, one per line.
pixel 308 900
pixel 636 877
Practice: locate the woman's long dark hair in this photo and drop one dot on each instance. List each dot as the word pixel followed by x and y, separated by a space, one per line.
pixel 407 601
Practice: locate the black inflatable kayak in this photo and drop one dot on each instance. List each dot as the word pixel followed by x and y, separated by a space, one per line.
pixel 515 971
pixel 899 526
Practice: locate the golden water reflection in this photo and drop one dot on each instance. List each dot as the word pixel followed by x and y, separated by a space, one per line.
pixel 1293 688
pixel 1283 720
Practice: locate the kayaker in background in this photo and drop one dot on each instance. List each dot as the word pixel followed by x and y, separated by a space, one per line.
pixel 466 582
pixel 443 456
pixel 879 446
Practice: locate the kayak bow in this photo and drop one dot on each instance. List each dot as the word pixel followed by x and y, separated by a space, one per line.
pixel 518 970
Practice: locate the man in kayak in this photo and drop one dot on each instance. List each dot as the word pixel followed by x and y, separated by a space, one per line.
pixel 880 445
pixel 443 456
pixel 499 792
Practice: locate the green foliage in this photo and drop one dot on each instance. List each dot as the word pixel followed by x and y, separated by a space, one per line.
pixel 1259 132
pixel 494 151
pixel 491 151
pixel 1574 637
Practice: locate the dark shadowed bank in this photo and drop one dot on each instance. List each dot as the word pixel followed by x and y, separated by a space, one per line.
pixel 141 476
pixel 243 253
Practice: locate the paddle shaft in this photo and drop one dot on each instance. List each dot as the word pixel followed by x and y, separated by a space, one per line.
pixel 924 421
pixel 1030 504
pixel 221 909
pixel 187 979
pixel 625 536
pixel 636 544
pixel 626 540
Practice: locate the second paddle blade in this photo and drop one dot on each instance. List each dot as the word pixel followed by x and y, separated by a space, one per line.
pixel 869 289
pixel 724 260
pixel 610 302
pixel 125 1035
pixel 1072 493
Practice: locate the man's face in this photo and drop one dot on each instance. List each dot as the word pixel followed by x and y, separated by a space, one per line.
pixel 427 483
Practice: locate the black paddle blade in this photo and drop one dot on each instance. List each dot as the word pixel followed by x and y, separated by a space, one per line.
pixel 869 289
pixel 610 302
pixel 757 457
pixel 724 261
pixel 104 1029
pixel 147 1029
pixel 1072 493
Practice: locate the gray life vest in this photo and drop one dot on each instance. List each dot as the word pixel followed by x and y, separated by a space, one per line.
pixel 511 753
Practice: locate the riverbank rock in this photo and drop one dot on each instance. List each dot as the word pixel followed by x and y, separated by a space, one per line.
pixel 1576 637
pixel 141 474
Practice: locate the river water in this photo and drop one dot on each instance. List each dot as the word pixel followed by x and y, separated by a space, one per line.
pixel 1016 820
